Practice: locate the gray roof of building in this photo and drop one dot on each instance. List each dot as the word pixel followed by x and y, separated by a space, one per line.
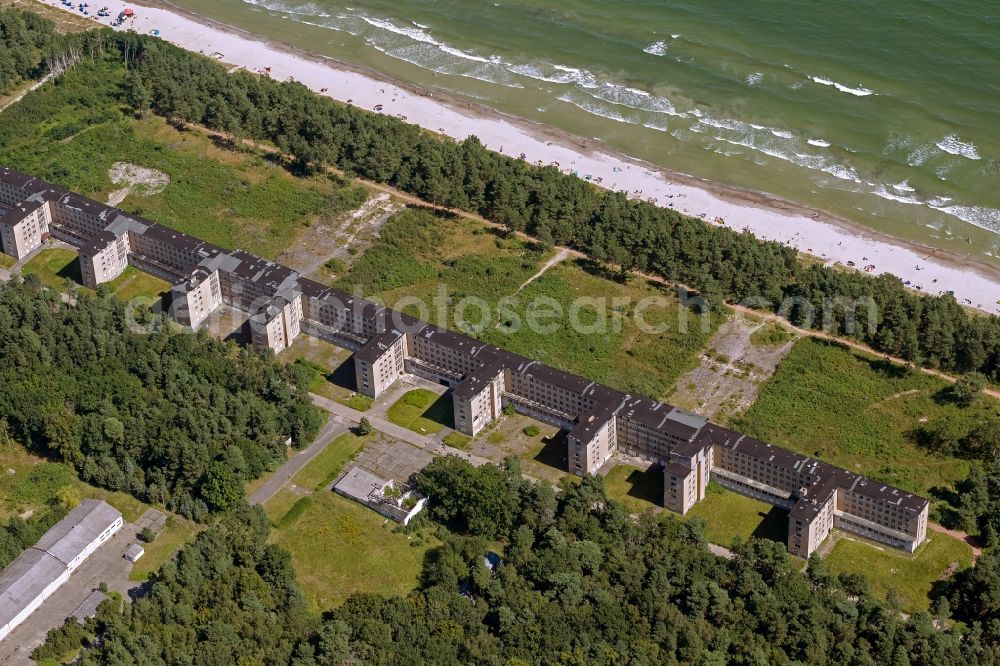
pixel 678 470
pixel 361 484
pixel 71 535
pixel 888 494
pixel 372 350
pixel 12 215
pixel 15 178
pixel 478 379
pixel 589 424
pixel 100 241
pixel 88 607
pixel 24 579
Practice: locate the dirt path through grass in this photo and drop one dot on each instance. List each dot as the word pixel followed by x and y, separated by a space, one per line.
pixel 563 254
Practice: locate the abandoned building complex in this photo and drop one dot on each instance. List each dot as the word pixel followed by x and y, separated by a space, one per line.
pixel 599 421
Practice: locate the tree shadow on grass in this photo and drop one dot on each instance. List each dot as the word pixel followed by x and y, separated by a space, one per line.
pixel 773 526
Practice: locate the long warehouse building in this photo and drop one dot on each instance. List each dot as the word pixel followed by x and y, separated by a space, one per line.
pixel 40 570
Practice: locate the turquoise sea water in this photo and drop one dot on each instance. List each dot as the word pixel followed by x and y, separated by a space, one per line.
pixel 885 112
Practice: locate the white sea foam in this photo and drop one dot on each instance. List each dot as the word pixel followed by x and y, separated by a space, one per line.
pixel 657 48
pixel 881 191
pixel 918 156
pixel 782 134
pixel 980 216
pixel 754 78
pixel 819 143
pixel 724 123
pixel 596 109
pixel 639 100
pixel 277 6
pixel 860 91
pixel 903 187
pixel 421 35
pixel 952 144
pixel 842 172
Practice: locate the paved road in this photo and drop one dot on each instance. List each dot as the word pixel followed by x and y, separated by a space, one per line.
pixel 334 428
pixel 105 565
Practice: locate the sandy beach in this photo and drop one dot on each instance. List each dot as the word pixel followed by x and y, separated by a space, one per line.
pixel 830 239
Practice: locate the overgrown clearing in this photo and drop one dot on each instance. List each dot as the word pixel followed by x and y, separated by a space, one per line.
pixel 73 133
pixel 339 547
pixel 741 355
pixel 859 412
pixel 442 261
pixel 910 577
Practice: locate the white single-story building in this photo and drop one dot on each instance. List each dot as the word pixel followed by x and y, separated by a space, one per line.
pixel 39 571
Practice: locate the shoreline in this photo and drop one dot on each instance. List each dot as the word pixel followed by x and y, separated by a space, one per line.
pixel 825 237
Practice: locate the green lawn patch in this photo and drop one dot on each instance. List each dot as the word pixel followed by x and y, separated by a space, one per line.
pixel 134 284
pixel 458 440
pixel 859 412
pixel 357 401
pixel 6 261
pixel 339 547
pixel 54 266
pixel 639 490
pixel 422 411
pixel 729 515
pixel 910 576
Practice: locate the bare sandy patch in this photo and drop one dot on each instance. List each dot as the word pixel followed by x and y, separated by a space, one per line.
pixel 134 178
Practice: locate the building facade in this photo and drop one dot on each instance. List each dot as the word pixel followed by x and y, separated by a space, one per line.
pixel 598 420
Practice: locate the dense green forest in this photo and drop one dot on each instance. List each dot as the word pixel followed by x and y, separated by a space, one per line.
pixel 174 419
pixel 579 582
pixel 25 41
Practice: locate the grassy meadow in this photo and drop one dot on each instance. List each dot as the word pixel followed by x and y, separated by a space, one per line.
pixel 441 260
pixel 856 411
pixel 908 577
pixel 72 132
pixel 339 547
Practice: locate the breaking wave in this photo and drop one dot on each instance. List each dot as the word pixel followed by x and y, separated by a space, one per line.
pixel 952 144
pixel 860 91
